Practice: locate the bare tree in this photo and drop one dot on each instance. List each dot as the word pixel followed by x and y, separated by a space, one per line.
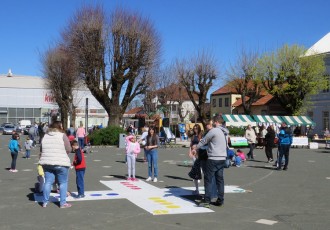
pixel 115 56
pixel 60 75
pixel 197 77
pixel 242 76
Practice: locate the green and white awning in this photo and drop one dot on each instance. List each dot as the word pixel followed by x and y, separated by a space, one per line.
pixel 267 119
pixel 238 120
pixel 297 120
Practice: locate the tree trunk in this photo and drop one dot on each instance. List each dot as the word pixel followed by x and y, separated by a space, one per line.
pixel 115 115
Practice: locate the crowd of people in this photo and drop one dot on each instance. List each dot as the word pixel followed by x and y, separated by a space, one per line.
pixel 209 151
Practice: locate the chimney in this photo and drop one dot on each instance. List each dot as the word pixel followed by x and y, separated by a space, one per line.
pixel 10 74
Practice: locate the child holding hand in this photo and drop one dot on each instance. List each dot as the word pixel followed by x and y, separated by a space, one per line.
pixel 195 172
pixel 132 150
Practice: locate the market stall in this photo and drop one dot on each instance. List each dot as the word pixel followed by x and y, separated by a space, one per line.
pixel 301 121
pixel 238 121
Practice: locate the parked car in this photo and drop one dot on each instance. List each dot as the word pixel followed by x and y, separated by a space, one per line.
pixel 26 130
pixel 8 129
pixel 2 126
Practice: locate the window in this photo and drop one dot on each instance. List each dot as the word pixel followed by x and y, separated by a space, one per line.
pixel 326 90
pixel 220 102
pixel 214 102
pixel 226 102
pixel 325 118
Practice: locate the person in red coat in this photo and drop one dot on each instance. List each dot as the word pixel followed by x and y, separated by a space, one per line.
pixel 80 166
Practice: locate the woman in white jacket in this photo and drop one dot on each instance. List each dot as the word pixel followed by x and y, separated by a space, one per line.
pixel 251 138
pixel 55 147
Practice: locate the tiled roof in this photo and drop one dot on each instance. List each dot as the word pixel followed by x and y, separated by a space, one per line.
pixel 173 93
pixel 134 110
pixel 225 90
pixel 261 101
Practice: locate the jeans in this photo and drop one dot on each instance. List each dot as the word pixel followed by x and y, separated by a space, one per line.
pixel 152 157
pixel 13 160
pixel 131 159
pixel 27 153
pixel 283 151
pixel 250 153
pixel 214 193
pixel 61 173
pixel 214 171
pixel 80 181
pixel 81 141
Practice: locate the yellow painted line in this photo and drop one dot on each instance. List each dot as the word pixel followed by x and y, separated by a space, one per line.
pixel 160 212
pixel 155 198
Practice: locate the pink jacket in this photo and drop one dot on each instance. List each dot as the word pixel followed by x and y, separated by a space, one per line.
pixel 137 148
pixel 81 132
pixel 241 155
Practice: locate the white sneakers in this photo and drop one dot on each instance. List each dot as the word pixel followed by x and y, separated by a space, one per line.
pixel 154 180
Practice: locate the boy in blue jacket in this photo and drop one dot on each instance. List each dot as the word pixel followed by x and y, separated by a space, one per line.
pixel 284 144
pixel 14 149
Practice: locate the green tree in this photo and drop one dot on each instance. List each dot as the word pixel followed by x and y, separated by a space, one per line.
pixel 291 77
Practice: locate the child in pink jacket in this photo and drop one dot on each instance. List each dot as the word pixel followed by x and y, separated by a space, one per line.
pixel 132 150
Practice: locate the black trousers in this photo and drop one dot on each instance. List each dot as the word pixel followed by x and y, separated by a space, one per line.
pixel 269 152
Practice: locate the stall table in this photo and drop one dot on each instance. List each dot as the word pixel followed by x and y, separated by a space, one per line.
pixel 299 141
pixel 238 142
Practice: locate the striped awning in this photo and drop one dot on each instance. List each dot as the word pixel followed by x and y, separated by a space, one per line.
pixel 238 120
pixel 298 120
pixel 267 119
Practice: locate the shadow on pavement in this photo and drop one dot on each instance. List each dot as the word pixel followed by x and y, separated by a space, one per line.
pixel 261 167
pixel 177 178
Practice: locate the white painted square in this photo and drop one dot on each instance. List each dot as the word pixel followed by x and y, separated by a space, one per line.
pixel 267 222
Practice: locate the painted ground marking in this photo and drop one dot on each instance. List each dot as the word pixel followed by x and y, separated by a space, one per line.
pixel 267 222
pixel 156 201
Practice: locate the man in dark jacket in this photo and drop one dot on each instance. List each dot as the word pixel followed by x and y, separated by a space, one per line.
pixel 284 142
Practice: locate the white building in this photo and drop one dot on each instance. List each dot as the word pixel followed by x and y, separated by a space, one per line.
pixel 26 98
pixel 320 110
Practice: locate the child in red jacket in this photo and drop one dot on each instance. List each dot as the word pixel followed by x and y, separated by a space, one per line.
pixel 80 165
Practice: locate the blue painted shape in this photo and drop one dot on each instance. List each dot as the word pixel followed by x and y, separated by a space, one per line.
pixel 96 194
pixel 112 194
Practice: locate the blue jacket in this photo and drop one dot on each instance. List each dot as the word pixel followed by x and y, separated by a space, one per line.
pixel 13 146
pixel 285 136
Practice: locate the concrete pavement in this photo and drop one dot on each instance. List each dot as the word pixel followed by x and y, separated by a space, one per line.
pixel 293 199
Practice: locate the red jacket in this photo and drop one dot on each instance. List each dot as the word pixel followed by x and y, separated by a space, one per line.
pixel 79 160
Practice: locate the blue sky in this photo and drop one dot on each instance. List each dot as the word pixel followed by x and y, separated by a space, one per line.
pixel 185 27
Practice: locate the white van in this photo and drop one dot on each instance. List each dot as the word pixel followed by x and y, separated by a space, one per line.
pixel 24 123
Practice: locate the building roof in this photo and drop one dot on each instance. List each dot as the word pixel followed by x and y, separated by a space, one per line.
pixel 24 82
pixel 173 93
pixel 261 101
pixel 320 47
pixel 225 90
pixel 229 89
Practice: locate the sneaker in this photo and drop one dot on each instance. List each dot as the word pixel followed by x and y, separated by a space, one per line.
pixel 238 166
pixel 285 168
pixel 134 179
pixel 14 170
pixel 155 179
pixel 148 179
pixel 80 196
pixel 128 178
pixel 44 205
pixel 66 205
pixel 10 170
pixel 204 204
pixel 218 203
pixel 271 160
